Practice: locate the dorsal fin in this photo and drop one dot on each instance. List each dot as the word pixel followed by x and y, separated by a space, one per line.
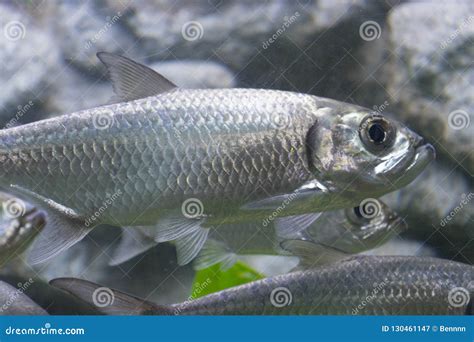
pixel 131 80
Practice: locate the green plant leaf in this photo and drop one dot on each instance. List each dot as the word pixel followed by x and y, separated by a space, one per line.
pixel 213 279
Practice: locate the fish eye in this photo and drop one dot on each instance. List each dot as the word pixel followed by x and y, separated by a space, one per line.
pixel 355 216
pixel 376 133
pixel 357 212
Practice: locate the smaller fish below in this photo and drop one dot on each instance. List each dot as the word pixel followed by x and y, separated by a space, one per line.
pixel 333 236
pixel 20 222
pixel 362 285
pixel 13 301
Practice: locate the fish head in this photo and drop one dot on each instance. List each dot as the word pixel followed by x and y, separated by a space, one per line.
pixel 373 223
pixel 366 153
pixel 20 222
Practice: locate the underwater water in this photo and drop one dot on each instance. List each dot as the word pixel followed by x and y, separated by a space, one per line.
pixel 410 61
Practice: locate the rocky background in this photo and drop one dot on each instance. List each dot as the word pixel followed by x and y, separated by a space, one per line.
pixel 413 59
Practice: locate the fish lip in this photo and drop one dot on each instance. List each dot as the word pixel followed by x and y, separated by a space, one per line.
pixel 35 216
pixel 398 223
pixel 424 153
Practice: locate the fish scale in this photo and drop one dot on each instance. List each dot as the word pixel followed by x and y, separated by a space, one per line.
pixel 239 154
pixel 406 285
pixel 233 171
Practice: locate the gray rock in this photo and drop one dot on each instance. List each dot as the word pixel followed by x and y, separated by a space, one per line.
pixel 74 92
pixel 196 74
pixel 438 207
pixel 27 58
pixel 233 31
pixel 84 29
pixel 431 74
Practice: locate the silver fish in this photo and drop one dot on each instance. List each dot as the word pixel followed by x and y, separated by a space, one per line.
pixel 182 161
pixel 20 222
pixel 333 236
pixel 14 302
pixel 363 285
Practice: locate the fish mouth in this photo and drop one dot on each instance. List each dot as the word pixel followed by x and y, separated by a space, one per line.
pixel 34 217
pixel 397 223
pixel 424 153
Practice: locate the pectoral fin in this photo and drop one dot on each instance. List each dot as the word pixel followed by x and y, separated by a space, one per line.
pixel 63 229
pixel 132 243
pixel 312 254
pixel 215 252
pixel 290 226
pixel 131 80
pixel 189 235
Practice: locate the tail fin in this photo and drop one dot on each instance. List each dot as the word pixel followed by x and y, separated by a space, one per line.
pixel 109 301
